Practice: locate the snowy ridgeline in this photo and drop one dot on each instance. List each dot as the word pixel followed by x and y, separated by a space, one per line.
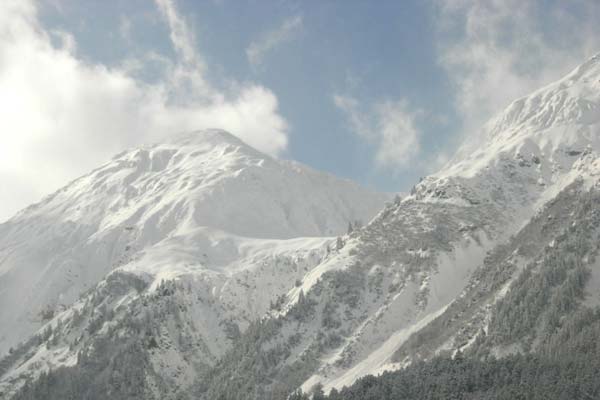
pixel 202 282
pixel 205 204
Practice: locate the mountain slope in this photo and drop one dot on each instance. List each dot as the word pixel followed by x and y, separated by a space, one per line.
pixel 512 224
pixel 406 269
pixel 189 204
pixel 536 149
pixel 526 325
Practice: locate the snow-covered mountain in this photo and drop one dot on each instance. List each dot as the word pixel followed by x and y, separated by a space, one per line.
pixel 180 280
pixel 203 203
pixel 371 308
pixel 432 243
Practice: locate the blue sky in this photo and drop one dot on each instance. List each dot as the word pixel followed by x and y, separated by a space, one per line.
pixel 378 92
pixel 352 48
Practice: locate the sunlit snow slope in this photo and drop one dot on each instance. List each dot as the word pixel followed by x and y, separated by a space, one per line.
pixel 364 307
pixel 203 202
pixel 440 234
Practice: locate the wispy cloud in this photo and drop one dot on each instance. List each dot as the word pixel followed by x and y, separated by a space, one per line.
pixel 389 125
pixel 181 36
pixel 496 51
pixel 51 133
pixel 257 50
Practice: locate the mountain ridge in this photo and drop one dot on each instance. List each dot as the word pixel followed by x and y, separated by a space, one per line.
pixel 431 273
pixel 211 180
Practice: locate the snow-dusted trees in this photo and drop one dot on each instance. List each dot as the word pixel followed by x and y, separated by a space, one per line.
pixel 339 243
pixel 513 377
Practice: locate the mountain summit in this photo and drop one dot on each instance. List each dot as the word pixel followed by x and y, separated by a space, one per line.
pixel 556 123
pixel 206 185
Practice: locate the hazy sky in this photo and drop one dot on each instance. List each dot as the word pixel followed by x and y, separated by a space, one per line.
pixel 381 92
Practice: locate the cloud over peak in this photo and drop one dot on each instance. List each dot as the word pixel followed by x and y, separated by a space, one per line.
pixel 63 116
pixel 497 51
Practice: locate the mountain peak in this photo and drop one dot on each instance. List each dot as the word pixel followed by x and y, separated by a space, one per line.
pixel 590 68
pixel 573 99
pixel 549 125
pixel 205 187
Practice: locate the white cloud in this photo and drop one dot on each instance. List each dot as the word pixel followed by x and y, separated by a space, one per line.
pixel 181 37
pixel 399 138
pixel 359 121
pixel 62 116
pixel 257 50
pixel 390 126
pixel 499 50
